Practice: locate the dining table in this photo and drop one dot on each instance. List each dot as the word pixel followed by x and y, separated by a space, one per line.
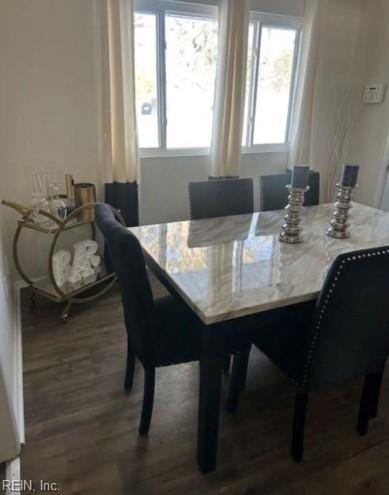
pixel 231 268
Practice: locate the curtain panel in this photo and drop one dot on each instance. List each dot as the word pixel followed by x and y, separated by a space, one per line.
pixel 124 197
pixel 301 136
pixel 230 88
pixel 121 151
pixel 328 89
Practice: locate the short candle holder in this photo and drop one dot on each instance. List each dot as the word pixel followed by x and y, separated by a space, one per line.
pixel 339 224
pixel 291 230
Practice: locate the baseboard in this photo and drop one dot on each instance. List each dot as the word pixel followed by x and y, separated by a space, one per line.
pixel 12 470
pixel 21 284
pixel 13 476
pixel 18 362
pixel 18 366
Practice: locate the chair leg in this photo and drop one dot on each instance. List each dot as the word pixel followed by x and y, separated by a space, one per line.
pixel 245 353
pixel 300 412
pixel 365 406
pixel 130 369
pixel 148 400
pixel 238 379
pixel 227 364
pixel 376 394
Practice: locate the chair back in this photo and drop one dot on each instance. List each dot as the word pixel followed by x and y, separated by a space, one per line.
pixel 350 331
pixel 273 194
pixel 129 264
pixel 219 198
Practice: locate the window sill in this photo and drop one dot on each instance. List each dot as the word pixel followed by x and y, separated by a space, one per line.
pixel 189 152
pixel 266 148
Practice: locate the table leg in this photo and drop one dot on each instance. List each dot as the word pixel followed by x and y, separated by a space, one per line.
pixel 211 366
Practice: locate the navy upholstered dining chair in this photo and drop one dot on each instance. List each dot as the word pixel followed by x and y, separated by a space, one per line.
pixel 273 194
pixel 160 332
pixel 220 198
pixel 344 334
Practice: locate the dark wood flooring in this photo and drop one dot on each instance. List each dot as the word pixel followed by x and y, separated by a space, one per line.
pixel 81 428
pixel 2 476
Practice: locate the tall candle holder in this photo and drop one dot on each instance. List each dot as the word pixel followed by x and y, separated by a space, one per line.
pixel 291 230
pixel 339 224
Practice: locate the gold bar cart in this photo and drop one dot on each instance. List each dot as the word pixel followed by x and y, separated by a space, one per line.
pixel 69 293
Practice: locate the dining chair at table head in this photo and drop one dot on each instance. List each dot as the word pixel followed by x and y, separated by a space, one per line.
pixel 273 194
pixel 221 197
pixel 345 334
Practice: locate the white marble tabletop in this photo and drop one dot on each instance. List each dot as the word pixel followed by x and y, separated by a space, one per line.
pixel 234 266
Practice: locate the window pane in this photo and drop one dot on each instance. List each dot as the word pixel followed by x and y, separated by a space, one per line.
pixel 250 66
pixel 146 79
pixel 274 84
pixel 191 56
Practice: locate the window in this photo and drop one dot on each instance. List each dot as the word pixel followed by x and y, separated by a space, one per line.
pixel 146 80
pixel 190 80
pixel 176 48
pixel 273 45
pixel 175 58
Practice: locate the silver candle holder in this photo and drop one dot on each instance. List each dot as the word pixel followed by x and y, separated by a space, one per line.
pixel 339 224
pixel 291 230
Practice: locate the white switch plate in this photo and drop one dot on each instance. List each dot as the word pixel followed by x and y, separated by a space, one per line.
pixel 374 93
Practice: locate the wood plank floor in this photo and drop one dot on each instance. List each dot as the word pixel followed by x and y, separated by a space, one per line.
pixel 2 476
pixel 82 429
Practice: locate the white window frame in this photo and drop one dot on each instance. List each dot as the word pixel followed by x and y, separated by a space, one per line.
pixel 162 7
pixel 260 21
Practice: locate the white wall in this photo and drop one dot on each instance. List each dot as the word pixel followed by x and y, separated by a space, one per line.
pixel 164 182
pixel 285 7
pixel 48 102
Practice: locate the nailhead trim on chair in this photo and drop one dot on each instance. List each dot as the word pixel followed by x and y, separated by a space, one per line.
pixel 325 306
pixel 190 202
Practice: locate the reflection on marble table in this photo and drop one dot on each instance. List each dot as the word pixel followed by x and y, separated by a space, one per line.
pixel 234 266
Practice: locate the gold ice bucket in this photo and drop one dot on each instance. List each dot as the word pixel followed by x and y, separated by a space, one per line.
pixel 85 193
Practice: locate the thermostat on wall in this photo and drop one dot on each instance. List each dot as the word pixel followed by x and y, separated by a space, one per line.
pixel 374 93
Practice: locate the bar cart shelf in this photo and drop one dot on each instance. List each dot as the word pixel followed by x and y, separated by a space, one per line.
pixel 82 292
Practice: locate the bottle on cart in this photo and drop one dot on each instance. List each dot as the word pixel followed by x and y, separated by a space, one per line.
pixel 57 204
pixel 70 198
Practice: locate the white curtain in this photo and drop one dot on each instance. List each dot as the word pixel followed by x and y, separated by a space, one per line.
pixel 230 88
pixel 120 130
pixel 328 90
pixel 301 136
